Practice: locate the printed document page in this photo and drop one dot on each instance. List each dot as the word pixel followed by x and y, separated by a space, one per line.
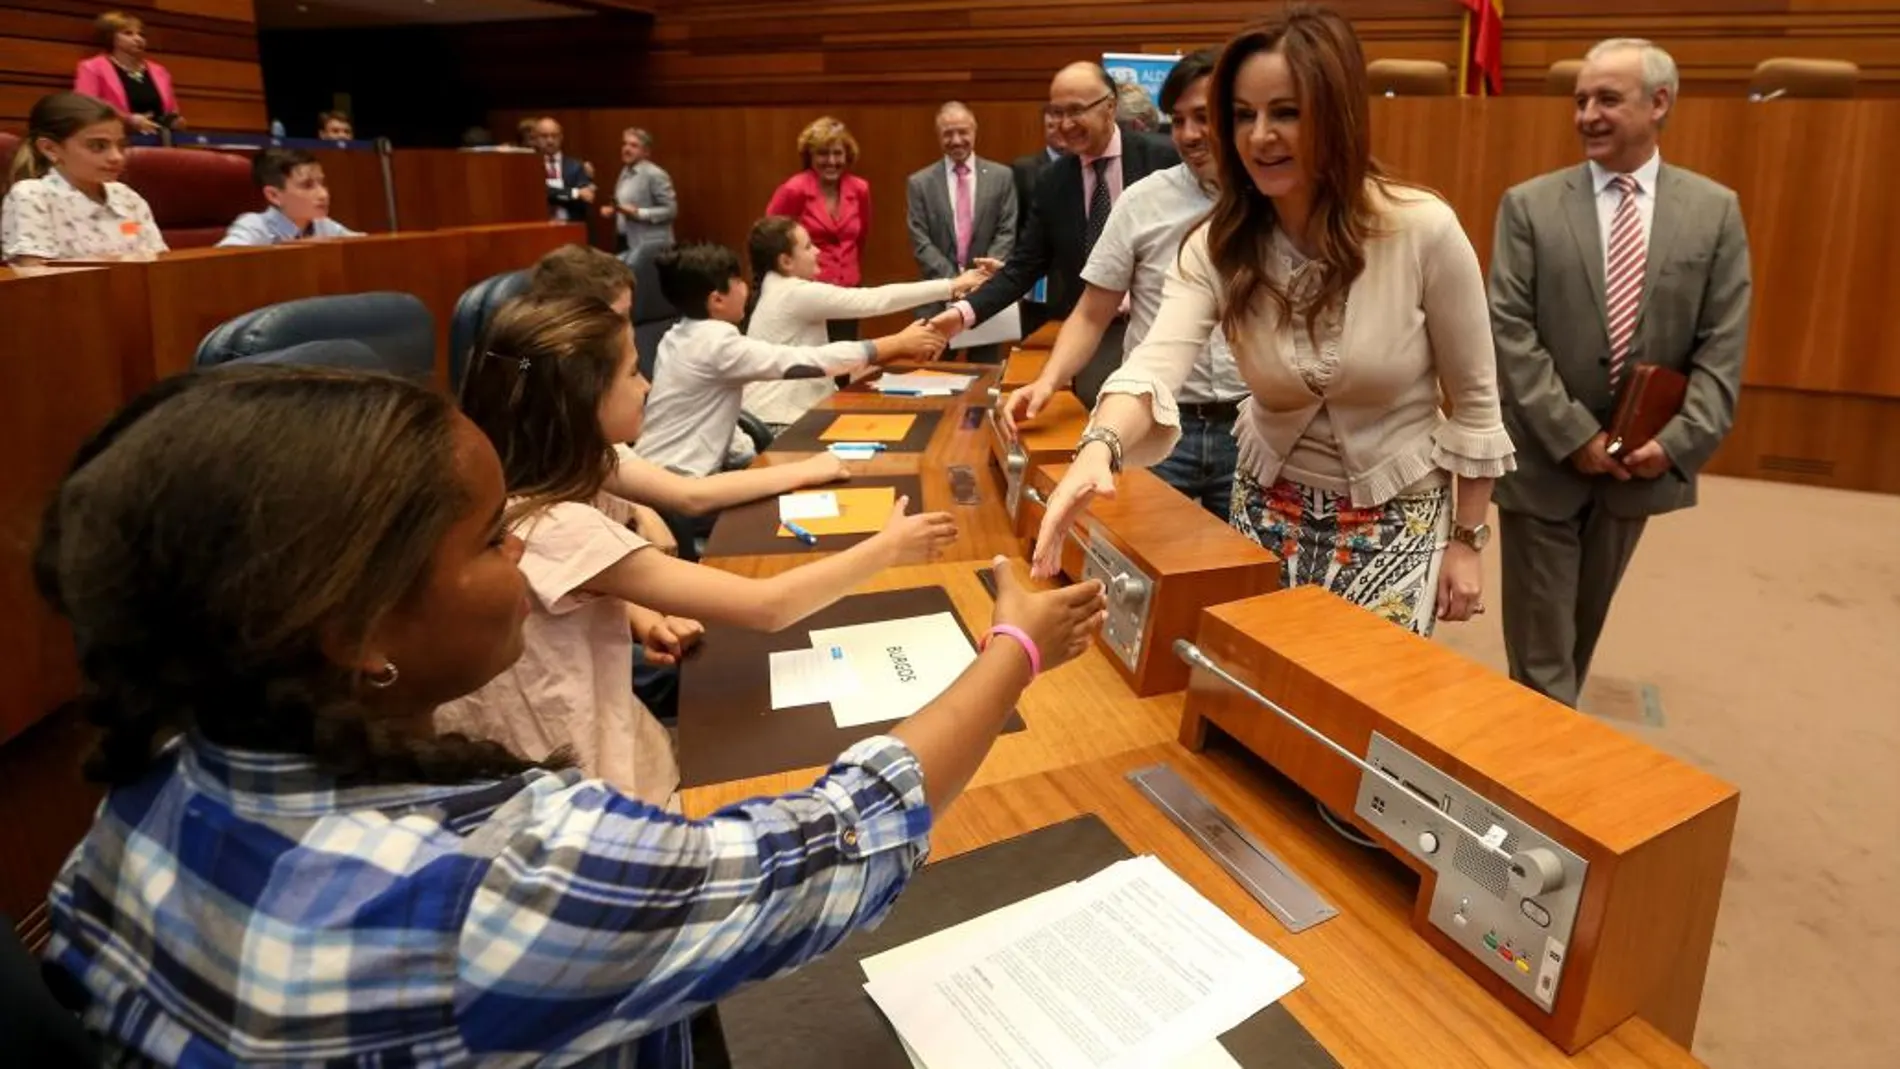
pixel 1130 969
pixel 900 665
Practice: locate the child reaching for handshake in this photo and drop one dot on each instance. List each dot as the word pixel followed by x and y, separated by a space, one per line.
pixel 553 384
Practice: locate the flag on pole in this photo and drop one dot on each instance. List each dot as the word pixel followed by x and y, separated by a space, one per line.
pixel 1481 54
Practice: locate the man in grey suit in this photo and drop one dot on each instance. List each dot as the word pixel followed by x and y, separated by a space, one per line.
pixel 1622 261
pixel 644 200
pixel 961 208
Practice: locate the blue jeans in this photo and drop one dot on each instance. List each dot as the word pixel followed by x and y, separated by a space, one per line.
pixel 1202 464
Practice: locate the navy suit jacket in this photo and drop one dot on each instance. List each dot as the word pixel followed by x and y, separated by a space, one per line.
pixel 573 180
pixel 1051 242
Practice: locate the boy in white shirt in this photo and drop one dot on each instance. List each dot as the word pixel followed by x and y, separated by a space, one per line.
pixel 704 362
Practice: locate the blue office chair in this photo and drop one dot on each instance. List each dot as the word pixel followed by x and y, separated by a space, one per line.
pixel 477 303
pixel 395 327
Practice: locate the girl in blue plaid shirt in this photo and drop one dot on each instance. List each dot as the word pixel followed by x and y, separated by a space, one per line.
pixel 274 576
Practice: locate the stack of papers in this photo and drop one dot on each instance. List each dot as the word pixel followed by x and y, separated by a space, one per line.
pixel 853 510
pixel 872 673
pixel 923 383
pixel 1128 969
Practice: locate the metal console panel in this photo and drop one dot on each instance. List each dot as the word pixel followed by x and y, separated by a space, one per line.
pixel 1130 594
pixel 1515 916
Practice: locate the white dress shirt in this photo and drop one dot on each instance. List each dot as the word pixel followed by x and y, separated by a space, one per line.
pixel 699 376
pixel 1133 255
pixel 1608 197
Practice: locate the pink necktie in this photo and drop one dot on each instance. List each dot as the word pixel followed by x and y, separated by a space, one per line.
pixel 1624 275
pixel 552 172
pixel 966 215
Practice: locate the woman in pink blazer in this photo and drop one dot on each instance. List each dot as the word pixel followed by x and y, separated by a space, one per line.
pixel 831 203
pixel 121 76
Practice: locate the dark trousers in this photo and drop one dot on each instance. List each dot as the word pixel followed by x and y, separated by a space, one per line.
pixel 1559 577
pixel 841 329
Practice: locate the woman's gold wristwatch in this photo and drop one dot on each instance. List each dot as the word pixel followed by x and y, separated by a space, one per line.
pixel 1476 537
pixel 1108 438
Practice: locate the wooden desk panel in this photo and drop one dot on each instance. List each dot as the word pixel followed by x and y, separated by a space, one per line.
pixel 494 249
pixel 983 529
pixel 1079 712
pixel 188 294
pixel 438 188
pixel 62 375
pixel 355 180
pixel 432 265
pixel 1376 995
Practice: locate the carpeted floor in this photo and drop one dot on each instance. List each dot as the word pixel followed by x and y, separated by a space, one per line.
pixel 1758 636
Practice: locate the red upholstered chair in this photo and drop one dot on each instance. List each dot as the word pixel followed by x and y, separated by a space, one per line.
pixel 194 193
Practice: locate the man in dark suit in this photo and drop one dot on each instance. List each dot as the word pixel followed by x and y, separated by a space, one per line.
pixel 1071 206
pixel 1599 268
pixel 570 181
pixel 1029 170
pixel 960 209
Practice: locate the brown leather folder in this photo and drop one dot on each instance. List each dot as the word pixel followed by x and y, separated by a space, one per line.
pixel 1651 396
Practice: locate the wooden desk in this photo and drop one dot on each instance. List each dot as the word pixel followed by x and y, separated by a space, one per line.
pixel 983 529
pixel 1079 712
pixel 64 359
pixel 431 264
pixel 496 248
pixel 438 188
pixel 1376 995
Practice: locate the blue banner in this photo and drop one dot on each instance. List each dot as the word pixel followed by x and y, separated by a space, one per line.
pixel 1146 71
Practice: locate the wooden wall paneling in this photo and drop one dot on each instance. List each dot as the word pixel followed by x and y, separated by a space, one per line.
pixel 355 180
pixel 986 46
pixel 191 292
pixel 209 46
pixel 1846 442
pixel 492 250
pixel 431 265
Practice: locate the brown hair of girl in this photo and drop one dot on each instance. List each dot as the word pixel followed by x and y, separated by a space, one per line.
pixel 218 534
pixel 534 387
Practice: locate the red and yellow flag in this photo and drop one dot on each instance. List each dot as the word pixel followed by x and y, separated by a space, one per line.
pixel 1481 60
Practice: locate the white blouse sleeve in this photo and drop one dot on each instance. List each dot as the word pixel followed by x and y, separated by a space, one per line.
pixel 814 301
pixel 1160 365
pixel 26 223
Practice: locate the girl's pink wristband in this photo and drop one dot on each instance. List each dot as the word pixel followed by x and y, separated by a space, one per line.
pixel 1022 639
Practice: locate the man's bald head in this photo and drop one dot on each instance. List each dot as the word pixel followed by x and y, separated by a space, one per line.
pixel 1082 101
pixel 547 136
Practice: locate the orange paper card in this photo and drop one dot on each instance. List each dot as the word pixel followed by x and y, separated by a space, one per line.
pixel 868 427
pixel 861 510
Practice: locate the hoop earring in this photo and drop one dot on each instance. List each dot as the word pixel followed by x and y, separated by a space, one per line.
pixel 386 678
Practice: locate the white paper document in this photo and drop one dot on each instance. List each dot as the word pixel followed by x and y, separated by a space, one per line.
pixel 818 505
pixel 810 677
pixel 1129 969
pixel 1006 325
pixel 931 385
pixel 899 665
pixel 851 451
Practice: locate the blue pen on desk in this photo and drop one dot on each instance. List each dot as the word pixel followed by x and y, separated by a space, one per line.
pixel 859 447
pixel 800 533
pixel 901 393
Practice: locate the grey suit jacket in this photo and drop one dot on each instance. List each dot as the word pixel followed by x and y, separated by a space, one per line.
pixel 648 187
pixel 933 222
pixel 1547 317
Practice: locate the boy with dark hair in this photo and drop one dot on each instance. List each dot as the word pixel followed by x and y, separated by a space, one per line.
pixel 292 182
pixel 581 270
pixel 704 362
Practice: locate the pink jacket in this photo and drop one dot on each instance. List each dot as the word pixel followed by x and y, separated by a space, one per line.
pixel 840 238
pixel 96 78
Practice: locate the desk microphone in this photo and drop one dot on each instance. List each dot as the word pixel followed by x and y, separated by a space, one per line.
pixel 1518 863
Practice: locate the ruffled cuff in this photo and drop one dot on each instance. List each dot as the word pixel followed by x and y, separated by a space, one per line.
pixel 1469 454
pixel 1155 446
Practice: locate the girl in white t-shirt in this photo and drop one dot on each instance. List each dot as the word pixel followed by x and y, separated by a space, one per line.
pixel 66 201
pixel 792 307
pixel 553 383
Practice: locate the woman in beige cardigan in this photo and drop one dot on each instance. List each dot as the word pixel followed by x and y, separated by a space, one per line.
pixel 1351 301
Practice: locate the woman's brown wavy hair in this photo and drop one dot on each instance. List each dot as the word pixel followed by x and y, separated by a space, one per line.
pixel 1329 73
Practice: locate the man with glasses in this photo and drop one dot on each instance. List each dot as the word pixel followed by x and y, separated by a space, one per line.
pixel 1069 210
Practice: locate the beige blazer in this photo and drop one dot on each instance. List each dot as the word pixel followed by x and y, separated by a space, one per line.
pixel 1553 343
pixel 1415 324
